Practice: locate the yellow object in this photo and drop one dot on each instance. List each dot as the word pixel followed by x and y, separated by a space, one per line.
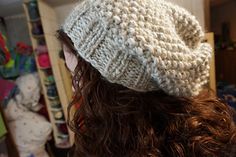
pixel 10 63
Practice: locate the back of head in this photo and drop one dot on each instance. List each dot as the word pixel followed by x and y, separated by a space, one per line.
pixel 141 67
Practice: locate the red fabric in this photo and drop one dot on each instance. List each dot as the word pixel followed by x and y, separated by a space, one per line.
pixel 6 88
pixel 22 48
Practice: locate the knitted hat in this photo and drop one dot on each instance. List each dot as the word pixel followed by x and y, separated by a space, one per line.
pixel 144 45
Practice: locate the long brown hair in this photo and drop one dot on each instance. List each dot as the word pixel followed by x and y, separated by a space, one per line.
pixel 114 121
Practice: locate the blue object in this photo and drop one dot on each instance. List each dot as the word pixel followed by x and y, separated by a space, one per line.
pixel 52 91
pixel 227 92
pixel 33 11
pixel 22 64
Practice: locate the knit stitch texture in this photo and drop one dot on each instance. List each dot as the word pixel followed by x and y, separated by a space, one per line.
pixel 144 45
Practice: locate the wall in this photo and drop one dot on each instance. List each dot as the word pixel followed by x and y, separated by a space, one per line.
pixel 224 13
pixel 2 26
pixel 17 29
pixel 196 7
pixel 63 11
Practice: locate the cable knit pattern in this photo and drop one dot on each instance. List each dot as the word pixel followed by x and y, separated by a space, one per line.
pixel 144 45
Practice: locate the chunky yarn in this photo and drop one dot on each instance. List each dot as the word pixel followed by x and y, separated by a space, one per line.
pixel 144 45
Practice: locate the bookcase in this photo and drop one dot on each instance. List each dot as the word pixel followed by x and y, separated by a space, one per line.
pixel 56 105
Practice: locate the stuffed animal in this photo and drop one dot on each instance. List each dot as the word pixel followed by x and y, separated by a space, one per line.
pixel 29 91
pixel 30 131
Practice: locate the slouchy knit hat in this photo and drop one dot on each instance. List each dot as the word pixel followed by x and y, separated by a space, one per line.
pixel 144 45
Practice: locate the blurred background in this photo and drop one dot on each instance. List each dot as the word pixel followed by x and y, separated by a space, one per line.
pixel 33 77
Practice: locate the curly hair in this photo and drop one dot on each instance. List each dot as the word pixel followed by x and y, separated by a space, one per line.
pixel 114 121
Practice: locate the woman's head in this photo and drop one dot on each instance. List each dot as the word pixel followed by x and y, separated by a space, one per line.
pixel 143 45
pixel 138 66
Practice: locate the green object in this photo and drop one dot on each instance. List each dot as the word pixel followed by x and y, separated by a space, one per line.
pixel 3 129
pixel 49 80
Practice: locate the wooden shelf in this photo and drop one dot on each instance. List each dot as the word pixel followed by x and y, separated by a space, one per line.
pixel 60 122
pixel 53 98
pixel 49 23
pixel 47 68
pixel 36 20
pixel 38 36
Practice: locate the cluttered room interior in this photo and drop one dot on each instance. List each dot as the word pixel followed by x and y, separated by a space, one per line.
pixel 36 85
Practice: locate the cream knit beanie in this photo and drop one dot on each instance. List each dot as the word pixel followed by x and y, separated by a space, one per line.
pixel 144 45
